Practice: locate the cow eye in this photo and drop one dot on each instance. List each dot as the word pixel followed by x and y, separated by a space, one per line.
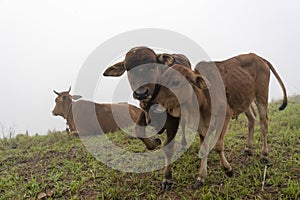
pixel 175 82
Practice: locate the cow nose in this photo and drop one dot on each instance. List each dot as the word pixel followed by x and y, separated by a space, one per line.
pixel 141 93
pixel 54 113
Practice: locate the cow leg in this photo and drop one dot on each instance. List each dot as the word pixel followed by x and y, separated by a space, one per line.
pixel 203 164
pixel 183 139
pixel 171 127
pixel 263 118
pixel 140 131
pixel 219 147
pixel 251 122
pixel 150 143
pixel 204 150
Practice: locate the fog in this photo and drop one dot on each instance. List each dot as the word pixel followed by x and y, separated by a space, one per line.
pixel 43 45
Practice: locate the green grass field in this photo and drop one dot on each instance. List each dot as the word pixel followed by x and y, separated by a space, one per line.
pixel 58 166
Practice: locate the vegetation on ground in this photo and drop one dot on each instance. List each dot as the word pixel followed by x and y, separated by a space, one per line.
pixel 58 166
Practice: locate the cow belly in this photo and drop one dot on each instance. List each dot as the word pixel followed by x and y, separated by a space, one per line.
pixel 110 126
pixel 119 119
pixel 240 90
pixel 240 103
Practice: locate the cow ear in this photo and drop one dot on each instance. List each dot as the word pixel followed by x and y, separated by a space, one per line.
pixel 200 82
pixel 76 97
pixel 115 70
pixel 165 59
pixel 175 112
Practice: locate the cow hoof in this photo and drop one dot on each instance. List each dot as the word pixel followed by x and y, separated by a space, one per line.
pixel 264 160
pixel 248 152
pixel 158 141
pixel 155 143
pixel 198 184
pixel 166 186
pixel 74 134
pixel 229 173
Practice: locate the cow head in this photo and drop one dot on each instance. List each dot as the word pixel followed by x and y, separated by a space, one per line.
pixel 178 87
pixel 63 103
pixel 143 70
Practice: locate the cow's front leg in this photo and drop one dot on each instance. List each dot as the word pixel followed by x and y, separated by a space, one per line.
pixel 172 127
pixel 151 144
pixel 183 139
pixel 140 132
pixel 220 130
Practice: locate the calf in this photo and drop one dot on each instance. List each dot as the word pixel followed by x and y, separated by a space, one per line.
pixel 88 117
pixel 143 70
pixel 246 79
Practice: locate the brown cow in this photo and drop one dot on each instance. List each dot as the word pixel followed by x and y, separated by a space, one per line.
pixel 86 117
pixel 246 79
pixel 141 64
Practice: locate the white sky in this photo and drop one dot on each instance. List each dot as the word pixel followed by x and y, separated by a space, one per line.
pixel 43 44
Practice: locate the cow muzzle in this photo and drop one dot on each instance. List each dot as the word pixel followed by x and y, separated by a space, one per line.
pixel 54 113
pixel 142 93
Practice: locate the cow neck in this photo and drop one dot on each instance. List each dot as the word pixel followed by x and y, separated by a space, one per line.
pixel 70 124
pixel 69 110
pixel 155 92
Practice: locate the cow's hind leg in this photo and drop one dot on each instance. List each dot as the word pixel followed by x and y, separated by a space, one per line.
pixel 263 117
pixel 251 122
pixel 204 148
pixel 219 147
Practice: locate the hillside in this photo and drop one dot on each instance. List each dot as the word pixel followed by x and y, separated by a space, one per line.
pixel 58 166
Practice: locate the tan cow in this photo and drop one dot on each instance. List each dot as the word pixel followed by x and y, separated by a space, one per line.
pixel 88 117
pixel 246 79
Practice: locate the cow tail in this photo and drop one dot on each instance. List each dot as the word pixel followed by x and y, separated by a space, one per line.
pixel 284 102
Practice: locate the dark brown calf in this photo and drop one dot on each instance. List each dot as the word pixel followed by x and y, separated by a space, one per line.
pixel 245 78
pixel 88 117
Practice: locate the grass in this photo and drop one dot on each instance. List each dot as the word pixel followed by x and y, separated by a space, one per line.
pixel 58 166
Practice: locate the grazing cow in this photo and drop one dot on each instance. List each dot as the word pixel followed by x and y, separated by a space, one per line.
pixel 86 117
pixel 141 64
pixel 246 79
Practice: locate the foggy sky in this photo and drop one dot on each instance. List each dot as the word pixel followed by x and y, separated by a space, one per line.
pixel 43 44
